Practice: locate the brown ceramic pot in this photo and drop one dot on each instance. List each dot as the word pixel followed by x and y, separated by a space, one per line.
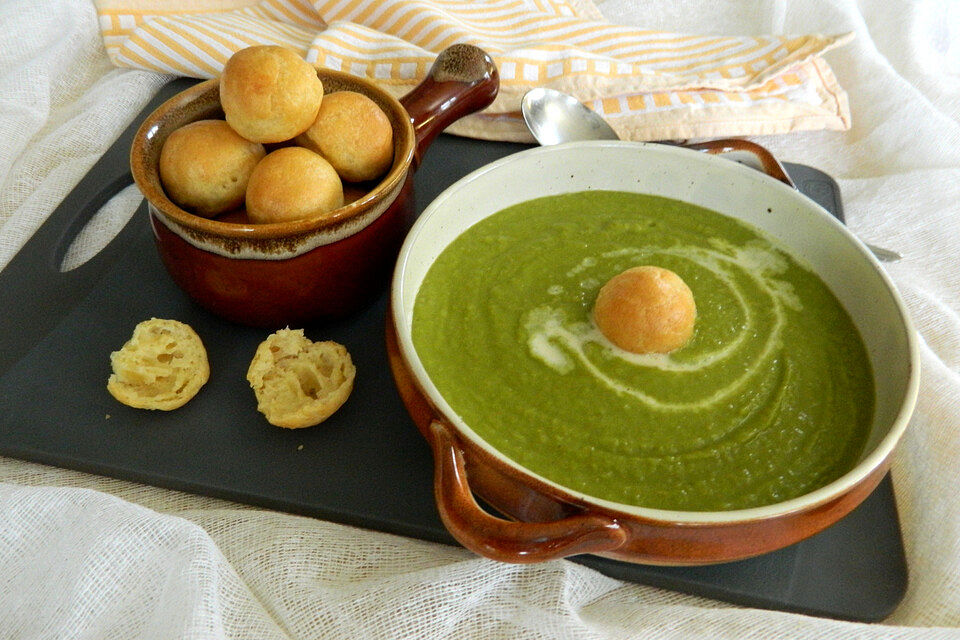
pixel 540 519
pixel 295 272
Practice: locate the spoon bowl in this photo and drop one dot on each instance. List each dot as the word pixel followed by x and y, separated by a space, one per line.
pixel 554 118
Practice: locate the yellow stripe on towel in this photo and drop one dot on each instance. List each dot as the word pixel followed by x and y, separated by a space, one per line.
pixel 650 84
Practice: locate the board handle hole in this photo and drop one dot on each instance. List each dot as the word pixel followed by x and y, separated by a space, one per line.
pixel 101 228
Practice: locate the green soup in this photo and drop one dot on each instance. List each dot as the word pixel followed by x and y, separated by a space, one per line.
pixel 770 399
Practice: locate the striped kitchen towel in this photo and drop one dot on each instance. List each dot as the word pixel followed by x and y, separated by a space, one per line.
pixel 650 85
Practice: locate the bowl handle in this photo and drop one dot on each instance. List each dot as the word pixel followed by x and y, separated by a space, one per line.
pixel 765 160
pixel 462 80
pixel 508 540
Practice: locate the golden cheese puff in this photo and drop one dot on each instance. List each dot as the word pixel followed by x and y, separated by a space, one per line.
pixel 646 310
pixel 205 165
pixel 161 367
pixel 292 183
pixel 299 383
pixel 353 134
pixel 269 93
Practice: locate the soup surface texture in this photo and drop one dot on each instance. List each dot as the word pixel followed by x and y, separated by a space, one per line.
pixel 771 398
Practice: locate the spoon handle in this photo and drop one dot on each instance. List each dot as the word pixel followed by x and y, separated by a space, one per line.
pixel 884 255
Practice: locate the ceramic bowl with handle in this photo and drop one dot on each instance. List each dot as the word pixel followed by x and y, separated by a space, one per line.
pixel 540 519
pixel 291 273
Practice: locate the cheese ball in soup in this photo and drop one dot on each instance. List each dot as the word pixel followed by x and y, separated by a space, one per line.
pixel 269 93
pixel 353 134
pixel 205 167
pixel 292 183
pixel 646 309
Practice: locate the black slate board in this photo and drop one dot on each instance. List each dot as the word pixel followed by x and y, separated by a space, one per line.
pixel 367 466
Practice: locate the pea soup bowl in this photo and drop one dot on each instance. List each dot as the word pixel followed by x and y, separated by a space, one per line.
pixel 539 518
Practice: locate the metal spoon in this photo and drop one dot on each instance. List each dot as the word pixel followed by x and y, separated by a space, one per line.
pixel 554 117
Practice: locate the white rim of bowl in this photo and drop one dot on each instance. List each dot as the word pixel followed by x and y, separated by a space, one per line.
pixel 836 488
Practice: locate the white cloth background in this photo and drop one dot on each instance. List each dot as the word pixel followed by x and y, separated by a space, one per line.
pixel 88 557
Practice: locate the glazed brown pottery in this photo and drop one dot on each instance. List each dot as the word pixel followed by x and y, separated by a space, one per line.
pixel 539 519
pixel 291 273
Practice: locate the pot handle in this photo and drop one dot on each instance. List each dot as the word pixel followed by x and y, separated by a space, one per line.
pixel 462 80
pixel 508 540
pixel 768 163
